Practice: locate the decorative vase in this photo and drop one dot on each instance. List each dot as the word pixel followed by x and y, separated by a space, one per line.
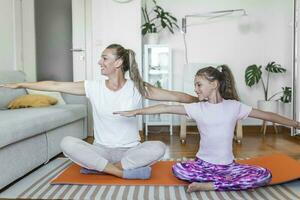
pixel 285 109
pixel 269 106
pixel 152 38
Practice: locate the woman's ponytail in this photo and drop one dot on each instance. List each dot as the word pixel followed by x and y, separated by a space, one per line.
pixel 227 85
pixel 134 73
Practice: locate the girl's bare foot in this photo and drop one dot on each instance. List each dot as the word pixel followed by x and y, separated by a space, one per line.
pixel 197 186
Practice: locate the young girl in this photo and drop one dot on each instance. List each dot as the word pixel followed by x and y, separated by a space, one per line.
pixel 214 167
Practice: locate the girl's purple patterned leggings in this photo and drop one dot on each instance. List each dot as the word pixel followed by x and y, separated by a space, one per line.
pixel 224 177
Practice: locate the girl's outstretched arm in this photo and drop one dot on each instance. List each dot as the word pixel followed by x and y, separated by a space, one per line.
pixel 273 117
pixel 157 109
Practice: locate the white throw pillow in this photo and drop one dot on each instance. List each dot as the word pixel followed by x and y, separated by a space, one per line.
pixel 55 95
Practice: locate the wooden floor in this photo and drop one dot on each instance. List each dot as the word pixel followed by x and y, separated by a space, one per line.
pixel 253 143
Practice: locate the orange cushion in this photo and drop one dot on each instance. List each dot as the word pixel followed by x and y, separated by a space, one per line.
pixel 32 100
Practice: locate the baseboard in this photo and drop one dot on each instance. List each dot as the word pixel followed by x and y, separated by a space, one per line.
pixel 194 130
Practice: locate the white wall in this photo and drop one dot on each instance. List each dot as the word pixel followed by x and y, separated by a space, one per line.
pixel 6 35
pixel 17 38
pixel 114 22
pixel 28 40
pixel 268 37
pixel 264 35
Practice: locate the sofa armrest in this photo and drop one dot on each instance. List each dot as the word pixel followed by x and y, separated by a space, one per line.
pixel 74 99
pixel 77 99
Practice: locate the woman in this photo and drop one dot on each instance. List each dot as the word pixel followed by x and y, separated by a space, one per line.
pixel 117 149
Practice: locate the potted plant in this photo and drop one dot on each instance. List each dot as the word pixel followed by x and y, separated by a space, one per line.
pixel 155 20
pixel 284 104
pixel 253 75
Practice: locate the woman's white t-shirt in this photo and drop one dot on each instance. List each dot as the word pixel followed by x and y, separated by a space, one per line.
pixel 216 123
pixel 114 130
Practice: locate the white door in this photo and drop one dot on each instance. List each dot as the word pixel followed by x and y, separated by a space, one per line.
pixel 79 40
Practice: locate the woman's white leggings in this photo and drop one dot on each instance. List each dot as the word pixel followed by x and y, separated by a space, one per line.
pixel 96 156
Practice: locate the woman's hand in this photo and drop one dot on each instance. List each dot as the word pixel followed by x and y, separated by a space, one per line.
pixel 131 113
pixel 11 85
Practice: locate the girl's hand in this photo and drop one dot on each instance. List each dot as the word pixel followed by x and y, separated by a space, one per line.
pixel 125 113
pixel 10 85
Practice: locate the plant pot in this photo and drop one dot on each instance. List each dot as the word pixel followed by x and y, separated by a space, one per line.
pixel 269 106
pixel 285 109
pixel 152 38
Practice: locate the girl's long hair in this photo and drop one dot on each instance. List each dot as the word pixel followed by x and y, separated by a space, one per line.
pixel 225 78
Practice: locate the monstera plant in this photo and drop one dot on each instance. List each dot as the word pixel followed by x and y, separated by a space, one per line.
pixel 253 75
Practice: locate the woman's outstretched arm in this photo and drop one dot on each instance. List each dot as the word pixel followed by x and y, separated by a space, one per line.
pixel 157 109
pixel 76 88
pixel 273 117
pixel 160 94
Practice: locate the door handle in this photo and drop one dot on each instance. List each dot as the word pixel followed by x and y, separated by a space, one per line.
pixel 77 50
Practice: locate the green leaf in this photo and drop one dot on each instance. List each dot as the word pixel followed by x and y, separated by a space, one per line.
pixel 175 25
pixel 148 28
pixel 287 95
pixel 274 68
pixel 173 18
pixel 252 75
pixel 169 22
pixel 163 24
pixel 144 31
pixel 159 8
pixel 158 17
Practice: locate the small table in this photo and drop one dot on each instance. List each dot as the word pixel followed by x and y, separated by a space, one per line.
pixel 264 127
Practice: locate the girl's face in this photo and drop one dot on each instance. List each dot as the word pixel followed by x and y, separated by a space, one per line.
pixel 108 62
pixel 203 87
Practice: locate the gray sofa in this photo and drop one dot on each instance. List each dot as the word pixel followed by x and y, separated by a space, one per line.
pixel 30 137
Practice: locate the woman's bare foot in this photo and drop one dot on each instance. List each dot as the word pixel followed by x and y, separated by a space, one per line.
pixel 196 186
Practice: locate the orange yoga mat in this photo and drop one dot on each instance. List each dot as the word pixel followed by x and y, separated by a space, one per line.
pixel 283 168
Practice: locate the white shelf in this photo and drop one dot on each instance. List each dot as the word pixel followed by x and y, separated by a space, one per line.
pixel 159 56
pixel 158 72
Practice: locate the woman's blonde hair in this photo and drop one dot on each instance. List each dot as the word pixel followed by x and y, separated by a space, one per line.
pixel 225 78
pixel 129 64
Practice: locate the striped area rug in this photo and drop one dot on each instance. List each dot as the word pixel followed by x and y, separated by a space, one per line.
pixel 37 186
